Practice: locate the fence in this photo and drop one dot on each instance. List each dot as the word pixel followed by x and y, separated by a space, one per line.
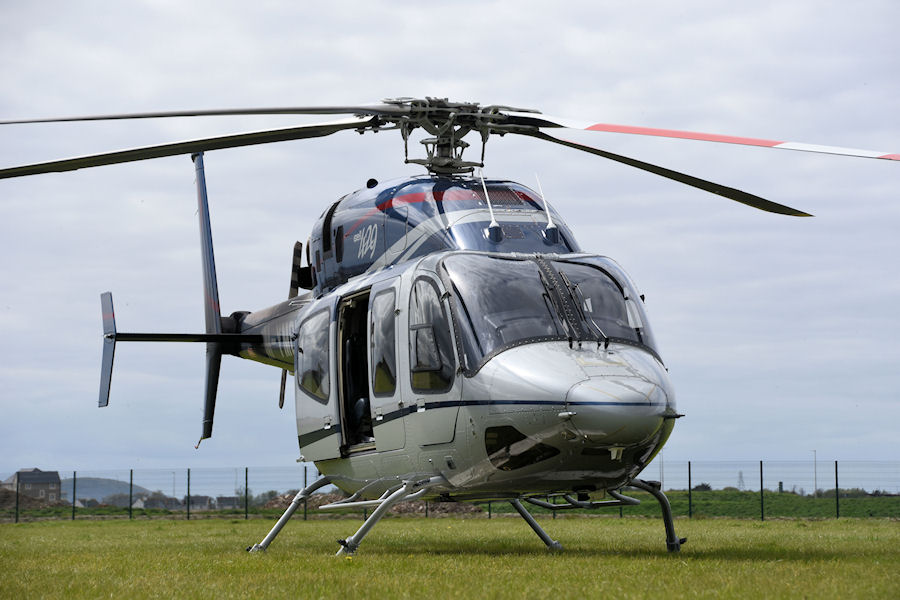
pixel 746 489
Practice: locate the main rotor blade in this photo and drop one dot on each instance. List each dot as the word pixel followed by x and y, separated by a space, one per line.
pixel 189 147
pixel 366 109
pixel 540 120
pixel 708 186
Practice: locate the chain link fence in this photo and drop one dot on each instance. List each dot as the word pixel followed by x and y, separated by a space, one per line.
pixel 743 489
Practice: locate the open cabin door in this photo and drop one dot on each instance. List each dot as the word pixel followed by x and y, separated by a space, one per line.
pixel 353 373
pixel 318 418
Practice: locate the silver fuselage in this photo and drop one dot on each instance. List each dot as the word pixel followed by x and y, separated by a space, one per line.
pixel 533 415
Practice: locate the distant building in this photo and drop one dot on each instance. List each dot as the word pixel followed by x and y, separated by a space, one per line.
pixel 43 485
pixel 157 500
pixel 229 502
pixel 201 502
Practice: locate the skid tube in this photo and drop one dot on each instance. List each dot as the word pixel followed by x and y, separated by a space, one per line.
pixel 673 542
pixel 301 496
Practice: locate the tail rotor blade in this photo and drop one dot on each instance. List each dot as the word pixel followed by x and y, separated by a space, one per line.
pixel 296 269
pixel 109 346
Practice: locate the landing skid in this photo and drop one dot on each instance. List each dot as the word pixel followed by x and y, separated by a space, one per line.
pixel 410 490
pixel 295 503
pixel 551 543
pixel 673 542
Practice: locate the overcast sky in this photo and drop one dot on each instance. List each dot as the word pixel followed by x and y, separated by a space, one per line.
pixel 781 334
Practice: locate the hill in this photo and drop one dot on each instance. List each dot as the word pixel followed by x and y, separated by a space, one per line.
pixel 98 488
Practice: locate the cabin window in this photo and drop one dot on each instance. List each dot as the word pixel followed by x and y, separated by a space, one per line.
pixel 312 357
pixel 326 228
pixel 384 351
pixel 430 343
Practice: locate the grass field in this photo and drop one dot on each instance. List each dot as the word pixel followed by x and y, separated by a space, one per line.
pixel 452 558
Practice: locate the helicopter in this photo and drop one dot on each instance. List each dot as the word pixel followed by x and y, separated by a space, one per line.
pixel 446 336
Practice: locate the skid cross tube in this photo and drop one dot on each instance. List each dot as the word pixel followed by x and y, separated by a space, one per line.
pixel 295 503
pixel 572 503
pixel 551 543
pixel 351 544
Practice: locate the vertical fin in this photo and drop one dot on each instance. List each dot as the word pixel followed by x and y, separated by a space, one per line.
pixel 211 309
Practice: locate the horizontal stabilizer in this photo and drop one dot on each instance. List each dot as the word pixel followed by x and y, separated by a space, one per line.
pixel 111 336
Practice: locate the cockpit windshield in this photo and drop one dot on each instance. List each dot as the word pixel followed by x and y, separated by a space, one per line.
pixel 509 301
pixel 502 302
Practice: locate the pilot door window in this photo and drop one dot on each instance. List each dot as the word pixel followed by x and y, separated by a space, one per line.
pixel 430 342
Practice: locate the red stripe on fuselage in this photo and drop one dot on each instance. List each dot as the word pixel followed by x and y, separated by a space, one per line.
pixel 687 135
pixel 450 195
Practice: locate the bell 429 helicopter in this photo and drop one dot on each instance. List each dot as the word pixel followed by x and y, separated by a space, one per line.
pixel 447 337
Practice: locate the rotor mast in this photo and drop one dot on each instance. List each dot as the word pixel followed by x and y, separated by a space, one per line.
pixel 448 123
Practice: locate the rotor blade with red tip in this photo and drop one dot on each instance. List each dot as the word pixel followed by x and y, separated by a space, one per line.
pixel 189 147
pixel 708 186
pixel 540 120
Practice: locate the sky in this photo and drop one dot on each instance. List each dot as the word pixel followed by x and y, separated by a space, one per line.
pixel 780 334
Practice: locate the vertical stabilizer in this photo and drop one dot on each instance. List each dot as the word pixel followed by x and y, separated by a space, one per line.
pixel 211 309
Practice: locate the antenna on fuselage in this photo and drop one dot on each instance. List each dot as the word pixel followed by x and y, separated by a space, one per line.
pixel 551 233
pixel 495 234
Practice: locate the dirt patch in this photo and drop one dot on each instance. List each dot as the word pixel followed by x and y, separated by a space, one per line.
pixel 8 501
pixel 403 508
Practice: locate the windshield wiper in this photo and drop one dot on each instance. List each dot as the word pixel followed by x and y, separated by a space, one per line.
pixel 580 302
pixel 550 298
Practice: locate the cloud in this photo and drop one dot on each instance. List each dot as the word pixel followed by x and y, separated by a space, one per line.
pixel 757 315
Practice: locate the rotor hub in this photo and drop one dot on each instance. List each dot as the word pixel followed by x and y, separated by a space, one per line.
pixel 448 123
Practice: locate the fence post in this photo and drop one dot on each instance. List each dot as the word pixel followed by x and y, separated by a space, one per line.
pixel 188 497
pixel 489 510
pixel 305 504
pixel 837 493
pixel 690 499
pixel 762 508
pixel 130 492
pixel 246 493
pixel 426 509
pixel 74 486
pixel 17 497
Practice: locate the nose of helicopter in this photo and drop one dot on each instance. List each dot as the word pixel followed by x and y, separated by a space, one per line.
pixel 618 411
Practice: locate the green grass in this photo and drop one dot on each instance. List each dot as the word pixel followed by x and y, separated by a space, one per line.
pixel 451 558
